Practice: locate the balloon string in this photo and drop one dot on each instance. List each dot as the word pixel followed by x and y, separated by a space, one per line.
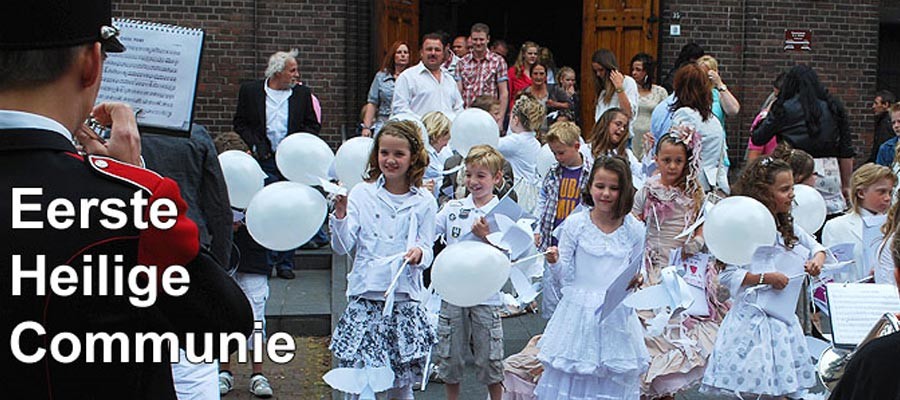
pixel 453 170
pixel 396 277
pixel 425 371
pixel 529 258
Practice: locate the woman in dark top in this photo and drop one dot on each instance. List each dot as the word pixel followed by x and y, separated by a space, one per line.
pixel 688 55
pixel 809 118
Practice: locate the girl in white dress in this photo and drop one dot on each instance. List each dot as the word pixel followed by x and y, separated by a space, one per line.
pixel 756 353
pixel 585 358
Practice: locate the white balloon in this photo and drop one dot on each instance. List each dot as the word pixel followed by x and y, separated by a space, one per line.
pixel 736 226
pixel 285 215
pixel 809 208
pixel 467 273
pixel 243 177
pixel 472 127
pixel 304 157
pixel 545 161
pixel 351 160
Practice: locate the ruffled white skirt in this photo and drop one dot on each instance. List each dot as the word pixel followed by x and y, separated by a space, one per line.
pixel 586 359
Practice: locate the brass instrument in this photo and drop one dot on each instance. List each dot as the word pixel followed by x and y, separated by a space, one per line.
pixel 833 361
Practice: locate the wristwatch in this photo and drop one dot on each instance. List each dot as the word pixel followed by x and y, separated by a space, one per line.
pixel 620 90
pixel 722 88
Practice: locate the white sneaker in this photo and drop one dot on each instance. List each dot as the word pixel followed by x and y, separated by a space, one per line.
pixel 259 386
pixel 226 382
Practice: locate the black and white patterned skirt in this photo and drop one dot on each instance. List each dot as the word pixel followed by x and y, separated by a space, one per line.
pixel 363 337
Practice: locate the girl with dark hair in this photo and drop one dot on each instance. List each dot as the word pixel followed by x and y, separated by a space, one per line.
pixel 614 89
pixel 809 118
pixel 758 354
pixel 669 204
pixel 692 107
pixel 643 70
pixel 381 93
pixel 584 357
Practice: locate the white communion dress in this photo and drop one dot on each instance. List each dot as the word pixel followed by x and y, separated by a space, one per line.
pixel 585 358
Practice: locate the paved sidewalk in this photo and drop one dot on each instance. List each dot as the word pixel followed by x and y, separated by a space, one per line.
pixel 517 331
pixel 299 379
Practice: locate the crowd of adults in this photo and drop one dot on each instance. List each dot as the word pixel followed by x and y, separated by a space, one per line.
pixel 800 111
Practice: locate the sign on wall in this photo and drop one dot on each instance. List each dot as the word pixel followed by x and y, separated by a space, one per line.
pixel 797 40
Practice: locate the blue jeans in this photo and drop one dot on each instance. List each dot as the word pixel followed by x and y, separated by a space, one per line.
pixel 278 259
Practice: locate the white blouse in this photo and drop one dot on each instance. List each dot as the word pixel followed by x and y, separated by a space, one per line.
pixel 382 233
pixel 714 148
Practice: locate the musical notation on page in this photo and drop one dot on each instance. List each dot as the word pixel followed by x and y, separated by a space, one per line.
pixel 855 307
pixel 157 73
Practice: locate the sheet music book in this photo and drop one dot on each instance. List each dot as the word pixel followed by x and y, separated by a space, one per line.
pixel 856 307
pixel 157 73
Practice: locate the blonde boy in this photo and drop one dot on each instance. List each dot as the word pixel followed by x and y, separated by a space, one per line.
pixel 478 328
pixel 560 194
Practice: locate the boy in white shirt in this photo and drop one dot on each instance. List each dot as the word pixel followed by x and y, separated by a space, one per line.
pixel 478 327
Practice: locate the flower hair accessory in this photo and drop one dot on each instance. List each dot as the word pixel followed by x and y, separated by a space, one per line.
pixel 686 134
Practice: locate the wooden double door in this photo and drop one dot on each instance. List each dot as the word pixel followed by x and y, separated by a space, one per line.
pixel 626 27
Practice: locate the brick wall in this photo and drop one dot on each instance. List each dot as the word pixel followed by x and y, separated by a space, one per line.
pixel 332 36
pixel 746 37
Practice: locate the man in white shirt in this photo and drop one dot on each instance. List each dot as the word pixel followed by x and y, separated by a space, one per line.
pixel 269 110
pixel 427 87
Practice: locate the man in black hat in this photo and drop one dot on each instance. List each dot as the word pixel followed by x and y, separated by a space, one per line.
pixel 81 229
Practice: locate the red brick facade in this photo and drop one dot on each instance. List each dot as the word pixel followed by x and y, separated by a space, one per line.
pixel 746 37
pixel 332 36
